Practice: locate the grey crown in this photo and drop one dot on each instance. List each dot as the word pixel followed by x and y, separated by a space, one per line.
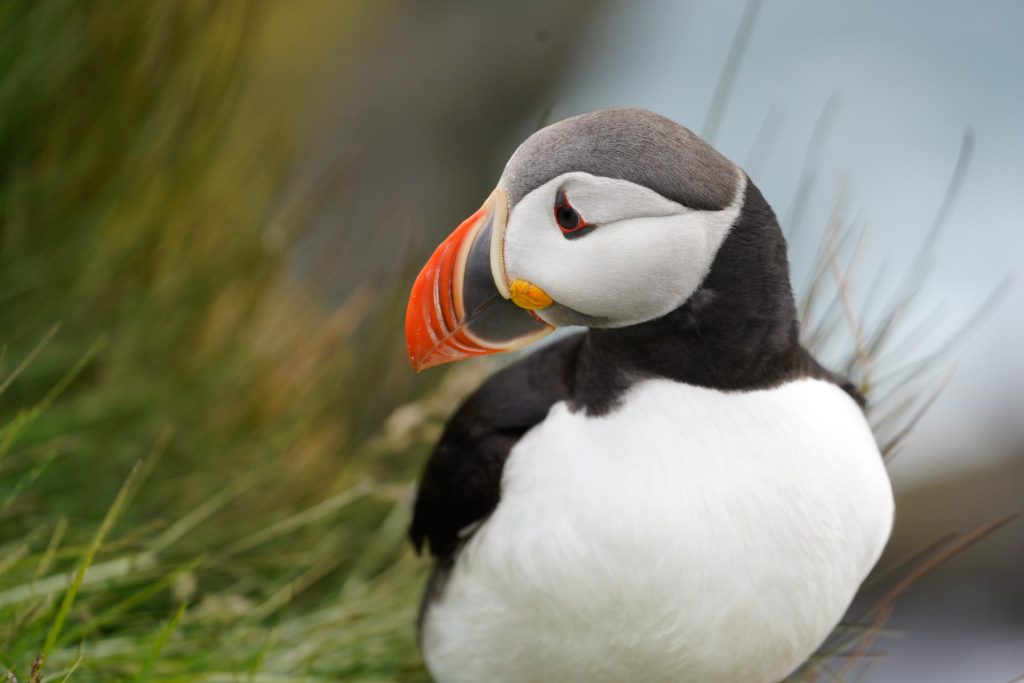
pixel 627 144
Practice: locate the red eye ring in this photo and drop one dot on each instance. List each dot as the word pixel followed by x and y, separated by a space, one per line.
pixel 568 219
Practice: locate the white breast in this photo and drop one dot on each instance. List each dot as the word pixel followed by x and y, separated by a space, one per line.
pixel 688 535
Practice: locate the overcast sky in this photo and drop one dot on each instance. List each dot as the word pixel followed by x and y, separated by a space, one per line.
pixel 911 77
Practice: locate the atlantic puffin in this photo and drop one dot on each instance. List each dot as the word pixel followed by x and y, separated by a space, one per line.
pixel 680 492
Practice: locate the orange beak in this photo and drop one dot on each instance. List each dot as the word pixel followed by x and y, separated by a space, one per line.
pixel 459 306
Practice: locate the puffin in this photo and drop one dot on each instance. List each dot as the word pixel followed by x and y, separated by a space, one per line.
pixel 680 491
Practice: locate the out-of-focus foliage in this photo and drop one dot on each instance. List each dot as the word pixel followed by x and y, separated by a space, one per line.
pixel 147 313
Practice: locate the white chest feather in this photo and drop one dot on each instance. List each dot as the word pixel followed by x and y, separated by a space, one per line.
pixel 689 535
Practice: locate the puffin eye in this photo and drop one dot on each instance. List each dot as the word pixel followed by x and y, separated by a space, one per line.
pixel 568 219
pixel 570 222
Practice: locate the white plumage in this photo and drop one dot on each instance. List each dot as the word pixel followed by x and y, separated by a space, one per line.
pixel 688 535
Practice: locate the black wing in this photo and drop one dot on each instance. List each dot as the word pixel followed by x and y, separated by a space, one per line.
pixel 461 483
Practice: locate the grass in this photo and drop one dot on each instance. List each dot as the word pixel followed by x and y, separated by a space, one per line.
pixel 195 482
pixel 205 473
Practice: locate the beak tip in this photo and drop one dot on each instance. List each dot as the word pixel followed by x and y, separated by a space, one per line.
pixel 423 357
pixel 417 358
pixel 430 359
pixel 450 315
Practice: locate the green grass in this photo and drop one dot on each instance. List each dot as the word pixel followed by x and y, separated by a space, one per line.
pixel 205 474
pixel 196 483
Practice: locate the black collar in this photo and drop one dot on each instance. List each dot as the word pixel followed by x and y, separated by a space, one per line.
pixel 737 332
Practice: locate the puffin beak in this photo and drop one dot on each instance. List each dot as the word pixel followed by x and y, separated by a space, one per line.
pixel 460 303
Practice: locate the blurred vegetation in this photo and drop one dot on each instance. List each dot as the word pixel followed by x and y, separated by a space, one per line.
pixel 194 483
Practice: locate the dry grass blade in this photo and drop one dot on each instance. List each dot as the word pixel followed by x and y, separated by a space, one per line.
pixel 889 448
pixel 904 293
pixel 903 373
pixel 883 608
pixel 863 354
pixel 820 328
pixel 909 344
pixel 902 567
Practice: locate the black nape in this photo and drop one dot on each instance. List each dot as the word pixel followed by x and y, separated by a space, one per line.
pixel 738 332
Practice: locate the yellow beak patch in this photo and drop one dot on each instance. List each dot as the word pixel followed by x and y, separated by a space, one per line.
pixel 528 295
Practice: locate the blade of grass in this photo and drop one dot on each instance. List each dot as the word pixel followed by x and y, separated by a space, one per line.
pixel 809 171
pixel 890 446
pixel 27 360
pixel 282 597
pixel 146 673
pixel 129 487
pixel 13 558
pixel 904 565
pixel 760 149
pixel 883 608
pixel 128 603
pixel 96 575
pixel 9 431
pixel 318 511
pixel 904 293
pixel 727 78
pixel 79 658
pixel 27 479
pixel 192 519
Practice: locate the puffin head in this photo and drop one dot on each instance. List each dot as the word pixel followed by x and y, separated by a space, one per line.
pixel 608 220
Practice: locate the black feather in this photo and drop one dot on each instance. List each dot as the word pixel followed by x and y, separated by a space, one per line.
pixel 462 479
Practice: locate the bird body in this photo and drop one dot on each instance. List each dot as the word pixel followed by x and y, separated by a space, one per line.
pixel 644 545
pixel 679 493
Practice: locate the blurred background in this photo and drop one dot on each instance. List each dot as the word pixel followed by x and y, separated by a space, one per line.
pixel 210 217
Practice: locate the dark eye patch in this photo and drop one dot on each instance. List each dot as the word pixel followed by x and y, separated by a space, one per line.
pixel 568 219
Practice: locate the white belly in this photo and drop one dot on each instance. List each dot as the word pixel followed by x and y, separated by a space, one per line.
pixel 689 535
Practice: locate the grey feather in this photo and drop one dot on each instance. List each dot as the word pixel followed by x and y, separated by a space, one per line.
pixel 627 144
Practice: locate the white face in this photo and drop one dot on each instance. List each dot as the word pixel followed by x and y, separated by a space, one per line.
pixel 644 257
